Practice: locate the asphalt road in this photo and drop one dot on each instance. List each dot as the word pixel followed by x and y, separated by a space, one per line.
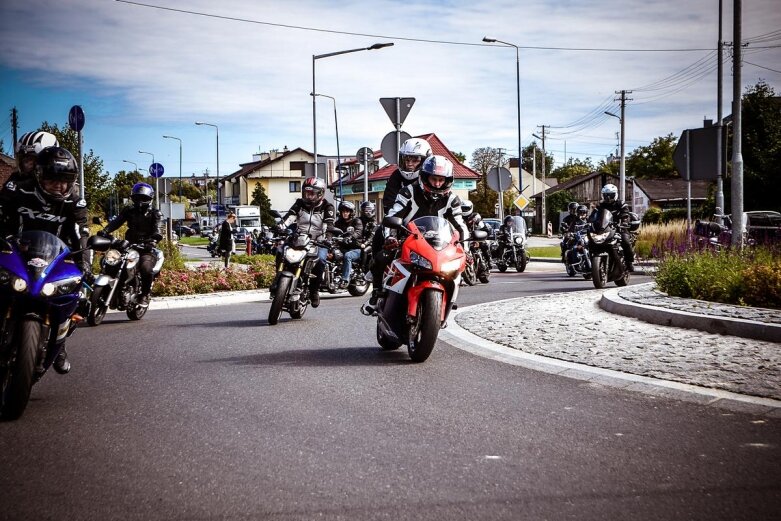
pixel 210 413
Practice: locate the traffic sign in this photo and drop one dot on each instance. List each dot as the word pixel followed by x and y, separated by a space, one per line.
pixel 76 118
pixel 499 179
pixel 390 150
pixel 364 154
pixel 521 202
pixel 695 154
pixel 156 170
pixel 404 105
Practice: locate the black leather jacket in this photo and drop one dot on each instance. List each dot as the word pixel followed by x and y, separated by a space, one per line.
pixel 393 186
pixel 356 234
pixel 143 225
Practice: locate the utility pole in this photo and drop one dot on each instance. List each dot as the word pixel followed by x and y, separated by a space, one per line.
pixel 736 206
pixel 719 130
pixel 15 126
pixel 542 176
pixel 622 164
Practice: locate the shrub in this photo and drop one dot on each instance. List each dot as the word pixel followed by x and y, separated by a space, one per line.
pixel 205 279
pixel 763 285
pixel 652 216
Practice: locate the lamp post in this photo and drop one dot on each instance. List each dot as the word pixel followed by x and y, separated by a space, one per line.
pixel 518 99
pixel 316 57
pixel 622 163
pixel 157 192
pixel 218 167
pixel 180 162
pixel 338 154
pixel 132 163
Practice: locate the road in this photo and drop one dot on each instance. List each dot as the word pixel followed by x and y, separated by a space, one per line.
pixel 210 413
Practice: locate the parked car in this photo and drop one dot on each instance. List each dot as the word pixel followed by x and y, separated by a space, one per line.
pixel 206 231
pixel 763 226
pixel 240 235
pixel 184 231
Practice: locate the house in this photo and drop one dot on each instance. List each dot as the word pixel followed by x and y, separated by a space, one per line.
pixel 7 165
pixel 353 185
pixel 529 185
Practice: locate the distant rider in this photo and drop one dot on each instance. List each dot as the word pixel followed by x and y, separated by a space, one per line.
pixel 352 227
pixel 26 151
pixel 505 236
pixel 143 229
pixel 621 212
pixel 566 226
pixel 474 221
pixel 369 221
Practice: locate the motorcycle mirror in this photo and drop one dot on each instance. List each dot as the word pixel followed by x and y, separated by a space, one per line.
pixel 392 222
pixel 98 243
pixel 479 235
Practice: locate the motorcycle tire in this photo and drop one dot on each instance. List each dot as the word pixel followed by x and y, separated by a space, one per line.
pixel 523 261
pixel 484 276
pixel 358 289
pixel 624 279
pixel 17 380
pixel 469 275
pixel 98 307
pixel 501 266
pixel 386 344
pixel 570 270
pixel 136 312
pixel 283 288
pixel 423 334
pixel 599 272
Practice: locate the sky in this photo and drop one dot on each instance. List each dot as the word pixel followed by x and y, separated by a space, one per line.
pixel 141 70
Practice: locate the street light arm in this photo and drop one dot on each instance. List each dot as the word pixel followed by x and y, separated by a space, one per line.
pixel 614 115
pixel 337 53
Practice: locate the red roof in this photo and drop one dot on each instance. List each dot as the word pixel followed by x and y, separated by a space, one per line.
pixel 460 171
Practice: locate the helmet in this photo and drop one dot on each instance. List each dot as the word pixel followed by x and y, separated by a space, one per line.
pixel 572 207
pixel 56 164
pixel 312 191
pixel 30 145
pixel 467 207
pixel 368 209
pixel 141 195
pixel 508 221
pixel 413 147
pixel 582 211
pixel 609 193
pixel 347 206
pixel 435 167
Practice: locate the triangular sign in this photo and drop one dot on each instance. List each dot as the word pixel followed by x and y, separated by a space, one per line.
pixel 405 105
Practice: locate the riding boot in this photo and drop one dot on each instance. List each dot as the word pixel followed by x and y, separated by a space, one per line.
pixel 61 363
pixel 314 294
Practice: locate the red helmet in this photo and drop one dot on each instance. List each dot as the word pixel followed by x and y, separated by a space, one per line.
pixel 312 191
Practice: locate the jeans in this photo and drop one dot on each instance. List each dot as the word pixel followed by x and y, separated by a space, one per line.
pixel 347 264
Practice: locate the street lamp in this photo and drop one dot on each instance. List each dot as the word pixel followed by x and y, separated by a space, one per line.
pixel 180 162
pixel 132 163
pixel 622 164
pixel 518 98
pixel 338 155
pixel 218 167
pixel 157 194
pixel 316 57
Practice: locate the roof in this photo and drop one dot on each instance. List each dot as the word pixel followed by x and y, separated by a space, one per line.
pixel 247 168
pixel 672 189
pixel 460 170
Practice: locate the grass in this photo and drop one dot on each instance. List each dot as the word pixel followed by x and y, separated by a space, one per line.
pixel 548 252
pixel 195 240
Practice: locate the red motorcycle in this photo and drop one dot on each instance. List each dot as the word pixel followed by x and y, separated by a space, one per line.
pixel 420 285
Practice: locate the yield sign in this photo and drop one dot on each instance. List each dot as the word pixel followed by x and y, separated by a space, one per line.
pixel 404 105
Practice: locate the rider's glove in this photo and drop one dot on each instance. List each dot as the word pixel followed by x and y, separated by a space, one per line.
pixel 391 243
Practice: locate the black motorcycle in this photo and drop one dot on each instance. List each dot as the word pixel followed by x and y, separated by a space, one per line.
pixel 118 285
pixel 476 265
pixel 604 245
pixel 213 247
pixel 332 276
pixel 290 289
pixel 514 253
pixel 576 256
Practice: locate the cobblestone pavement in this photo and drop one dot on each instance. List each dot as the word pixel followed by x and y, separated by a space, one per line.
pixel 543 325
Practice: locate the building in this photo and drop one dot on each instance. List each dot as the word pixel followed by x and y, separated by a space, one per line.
pixel 7 165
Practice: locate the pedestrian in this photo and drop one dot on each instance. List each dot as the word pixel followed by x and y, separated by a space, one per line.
pixel 227 241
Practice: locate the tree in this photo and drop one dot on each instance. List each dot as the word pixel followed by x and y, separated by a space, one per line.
pixel 528 157
pixel 259 198
pixel 459 155
pixel 97 187
pixel 573 168
pixel 653 161
pixel 761 148
pixel 485 199
pixel 188 190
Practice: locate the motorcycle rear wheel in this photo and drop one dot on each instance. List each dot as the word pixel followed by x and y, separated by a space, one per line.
pixel 17 380
pixel 136 312
pixel 423 334
pixel 599 272
pixel 358 289
pixel 469 275
pixel 283 288
pixel 98 307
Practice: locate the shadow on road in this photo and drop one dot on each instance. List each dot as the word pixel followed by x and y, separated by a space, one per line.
pixel 338 356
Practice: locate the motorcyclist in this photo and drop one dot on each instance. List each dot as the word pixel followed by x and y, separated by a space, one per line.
pixel 314 216
pixel 474 221
pixel 144 230
pixel 566 226
pixel 352 227
pixel 49 201
pixel 430 196
pixel 369 221
pixel 26 151
pixel 504 237
pixel 411 156
pixel 621 212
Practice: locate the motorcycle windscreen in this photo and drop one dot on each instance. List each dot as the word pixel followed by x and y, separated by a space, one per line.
pixel 437 231
pixel 39 249
pixel 602 219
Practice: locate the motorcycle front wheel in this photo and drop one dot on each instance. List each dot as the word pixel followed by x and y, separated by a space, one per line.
pixel 283 288
pixel 136 312
pixel 17 379
pixel 599 271
pixel 469 275
pixel 98 306
pixel 523 259
pixel 423 333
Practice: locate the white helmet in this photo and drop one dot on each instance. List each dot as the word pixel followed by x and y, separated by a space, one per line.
pixel 30 145
pixel 609 193
pixel 413 147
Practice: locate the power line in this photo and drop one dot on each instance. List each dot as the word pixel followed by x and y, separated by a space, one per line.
pixel 761 66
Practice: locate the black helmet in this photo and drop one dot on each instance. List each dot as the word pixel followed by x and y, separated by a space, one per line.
pixel 347 206
pixel 508 221
pixel 368 209
pixel 56 164
pixel 141 195
pixel 572 207
pixel 312 191
pixel 582 211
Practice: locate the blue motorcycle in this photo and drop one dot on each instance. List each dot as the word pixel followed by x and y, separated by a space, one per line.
pixel 39 295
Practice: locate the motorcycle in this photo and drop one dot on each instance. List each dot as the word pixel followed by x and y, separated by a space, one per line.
pixel 213 246
pixel 290 289
pixel 576 256
pixel 332 276
pixel 39 295
pixel 118 285
pixel 420 285
pixel 605 251
pixel 515 253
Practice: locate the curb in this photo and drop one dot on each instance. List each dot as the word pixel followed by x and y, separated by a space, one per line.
pixel 612 302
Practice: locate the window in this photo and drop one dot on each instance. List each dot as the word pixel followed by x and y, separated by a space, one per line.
pixel 294 186
pixel 299 166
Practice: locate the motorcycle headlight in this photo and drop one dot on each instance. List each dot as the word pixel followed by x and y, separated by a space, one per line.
pixel 519 240
pixel 18 284
pixel 451 265
pixel 61 287
pixel 112 257
pixel 132 259
pixel 599 238
pixel 420 261
pixel 294 256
